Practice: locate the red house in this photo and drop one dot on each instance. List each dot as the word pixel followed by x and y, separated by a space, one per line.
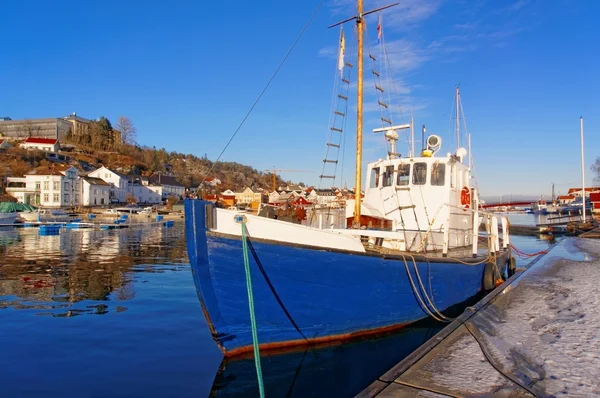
pixel 595 199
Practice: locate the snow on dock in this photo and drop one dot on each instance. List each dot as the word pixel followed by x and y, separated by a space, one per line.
pixel 537 335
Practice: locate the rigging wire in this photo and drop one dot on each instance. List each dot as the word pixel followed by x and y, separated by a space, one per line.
pixel 287 55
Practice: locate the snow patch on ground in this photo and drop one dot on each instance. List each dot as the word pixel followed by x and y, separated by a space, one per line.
pixel 543 332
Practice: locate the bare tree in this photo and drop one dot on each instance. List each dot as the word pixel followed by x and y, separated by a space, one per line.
pixel 596 169
pixel 127 129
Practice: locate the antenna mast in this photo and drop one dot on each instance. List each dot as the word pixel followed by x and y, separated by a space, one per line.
pixel 457 119
pixel 412 134
pixel 582 167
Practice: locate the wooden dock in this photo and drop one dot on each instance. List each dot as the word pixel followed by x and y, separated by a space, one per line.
pixel 93 225
pixel 535 335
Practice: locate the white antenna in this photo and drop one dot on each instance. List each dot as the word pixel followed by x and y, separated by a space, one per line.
pixel 457 119
pixel 412 134
pixel 582 167
pixel 392 136
pixel 469 146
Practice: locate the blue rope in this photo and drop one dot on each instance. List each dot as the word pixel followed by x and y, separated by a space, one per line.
pixel 261 387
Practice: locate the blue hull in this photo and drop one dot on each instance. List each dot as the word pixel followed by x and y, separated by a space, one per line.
pixel 320 296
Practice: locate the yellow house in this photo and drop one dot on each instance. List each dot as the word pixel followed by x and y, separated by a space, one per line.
pixel 249 198
pixel 80 126
pixel 228 198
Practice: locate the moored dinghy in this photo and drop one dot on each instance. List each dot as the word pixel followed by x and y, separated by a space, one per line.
pixel 318 286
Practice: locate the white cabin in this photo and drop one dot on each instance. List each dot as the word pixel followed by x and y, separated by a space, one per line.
pixel 420 197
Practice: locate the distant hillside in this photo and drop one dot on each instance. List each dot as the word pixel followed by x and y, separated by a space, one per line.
pixel 133 159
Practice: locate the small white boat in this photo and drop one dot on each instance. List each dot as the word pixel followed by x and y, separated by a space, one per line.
pixel 129 209
pixel 45 215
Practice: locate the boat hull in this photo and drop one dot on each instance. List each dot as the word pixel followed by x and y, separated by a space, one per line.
pixel 35 216
pixel 8 218
pixel 306 296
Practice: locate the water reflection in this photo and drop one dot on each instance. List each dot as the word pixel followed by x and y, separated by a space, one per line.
pixel 337 371
pixel 85 264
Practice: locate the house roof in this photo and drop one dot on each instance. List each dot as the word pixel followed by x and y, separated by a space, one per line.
pixel 165 180
pixel 112 171
pixel 95 181
pixel 587 189
pixel 35 140
pixel 566 197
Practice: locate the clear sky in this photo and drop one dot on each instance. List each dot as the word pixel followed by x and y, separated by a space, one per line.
pixel 186 72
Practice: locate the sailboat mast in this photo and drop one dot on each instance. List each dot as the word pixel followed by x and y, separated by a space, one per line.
pixel 582 167
pixel 457 120
pixel 359 116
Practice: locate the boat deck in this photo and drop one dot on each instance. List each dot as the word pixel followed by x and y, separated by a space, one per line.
pixel 536 335
pixel 459 252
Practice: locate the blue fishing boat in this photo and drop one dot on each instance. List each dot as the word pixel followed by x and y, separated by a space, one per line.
pixel 407 249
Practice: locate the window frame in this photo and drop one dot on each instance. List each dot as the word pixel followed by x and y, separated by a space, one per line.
pixel 416 172
pixel 403 165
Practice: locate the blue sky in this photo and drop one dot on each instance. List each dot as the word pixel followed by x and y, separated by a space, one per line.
pixel 186 72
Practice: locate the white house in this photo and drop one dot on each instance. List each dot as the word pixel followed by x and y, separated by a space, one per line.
pixel 170 186
pixel 54 186
pixel 145 192
pixel 43 144
pixel 118 183
pixel 94 191
pixel 273 197
pixel 322 196
pixel 18 189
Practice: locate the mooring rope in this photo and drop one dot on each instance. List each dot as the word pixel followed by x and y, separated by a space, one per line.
pixel 261 387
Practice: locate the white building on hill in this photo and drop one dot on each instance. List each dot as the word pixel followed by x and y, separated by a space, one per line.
pixel 119 184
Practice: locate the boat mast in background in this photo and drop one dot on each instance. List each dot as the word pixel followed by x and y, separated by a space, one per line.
pixel 582 167
pixel 457 119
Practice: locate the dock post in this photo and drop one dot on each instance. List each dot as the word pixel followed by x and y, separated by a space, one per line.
pixel 475 231
pixel 495 235
pixel 488 230
pixel 505 233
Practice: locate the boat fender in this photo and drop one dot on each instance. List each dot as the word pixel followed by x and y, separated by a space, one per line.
pixel 489 277
pixel 465 197
pixel 511 266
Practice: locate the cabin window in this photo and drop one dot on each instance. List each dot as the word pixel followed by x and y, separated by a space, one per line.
pixel 419 173
pixel 438 174
pixel 374 182
pixel 403 174
pixel 388 176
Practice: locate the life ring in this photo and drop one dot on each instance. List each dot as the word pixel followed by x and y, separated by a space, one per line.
pixel 465 197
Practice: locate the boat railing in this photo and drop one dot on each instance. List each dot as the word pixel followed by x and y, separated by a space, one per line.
pixel 491 229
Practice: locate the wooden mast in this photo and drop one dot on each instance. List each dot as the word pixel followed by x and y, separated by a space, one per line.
pixel 359 117
pixel 359 104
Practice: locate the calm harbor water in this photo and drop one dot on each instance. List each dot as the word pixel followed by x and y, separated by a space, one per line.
pixel 92 313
